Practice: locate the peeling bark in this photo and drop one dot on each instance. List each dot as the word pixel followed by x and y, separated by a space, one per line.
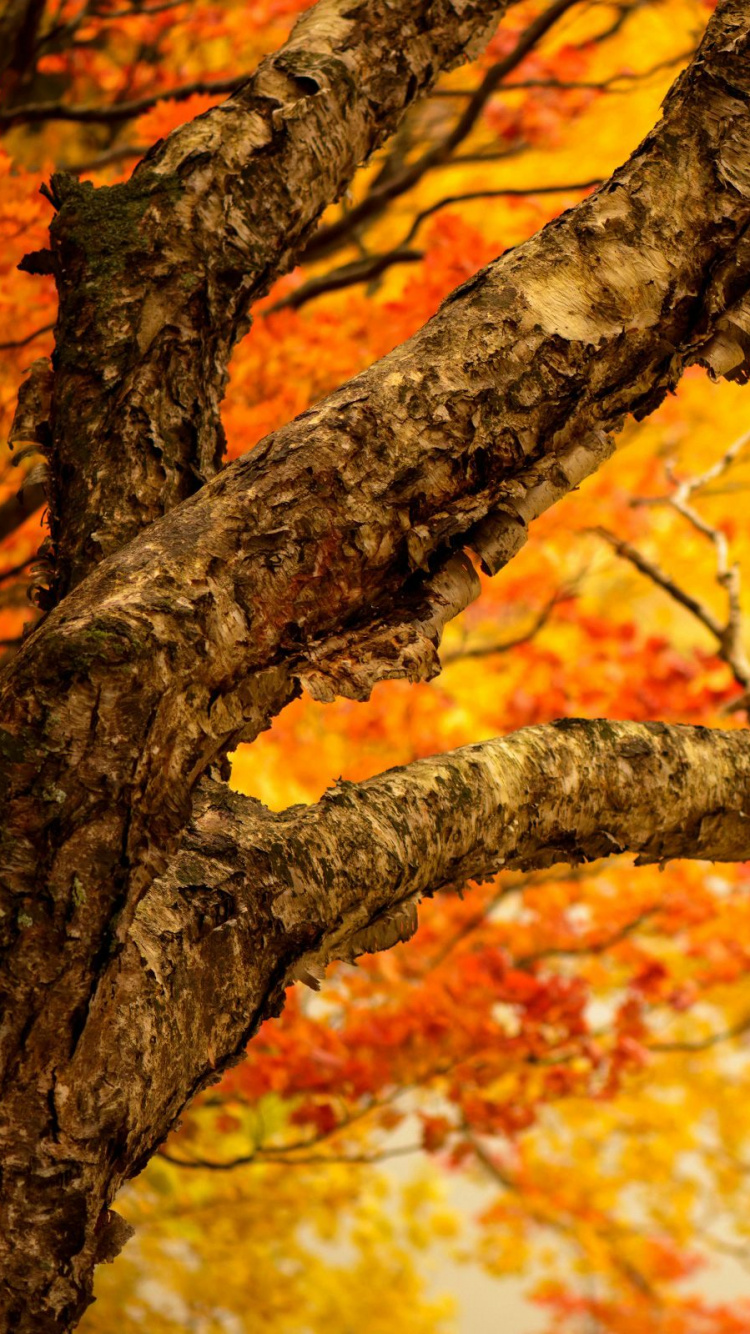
pixel 156 276
pixel 255 901
pixel 330 557
pixel 198 631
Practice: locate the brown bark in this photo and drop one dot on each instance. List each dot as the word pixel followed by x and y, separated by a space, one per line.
pixel 19 23
pixel 156 276
pixel 255 901
pixel 326 558
pixel 306 560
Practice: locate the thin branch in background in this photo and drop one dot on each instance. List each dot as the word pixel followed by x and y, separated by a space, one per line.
pixel 348 275
pixel 588 947
pixel 704 1044
pixel 514 192
pixel 505 646
pixel 29 338
pixel 728 634
pixel 134 11
pixel 504 891
pixel 19 507
pixel 33 112
pixel 654 572
pixel 340 232
pixel 109 158
pixel 607 1229
pixel 303 1160
pixel 567 85
pixel 14 570
pixel 373 266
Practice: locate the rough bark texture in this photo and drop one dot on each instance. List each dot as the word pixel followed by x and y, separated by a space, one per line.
pixel 329 557
pixel 255 901
pixel 156 276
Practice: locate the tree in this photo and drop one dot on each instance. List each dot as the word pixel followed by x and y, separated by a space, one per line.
pixel 152 916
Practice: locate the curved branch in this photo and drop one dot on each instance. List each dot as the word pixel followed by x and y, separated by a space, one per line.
pixel 255 901
pixel 325 557
pixel 372 266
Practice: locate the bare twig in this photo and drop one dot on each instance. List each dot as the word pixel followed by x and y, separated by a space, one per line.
pixel 348 275
pixel 373 266
pixel 658 576
pixel 33 112
pixel 109 158
pixel 565 85
pixel 703 1044
pixel 29 338
pixel 608 1229
pixel 14 570
pixel 261 1156
pixel 588 947
pixel 489 650
pixel 728 634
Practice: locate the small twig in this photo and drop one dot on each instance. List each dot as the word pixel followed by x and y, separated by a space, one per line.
pixel 348 275
pixel 658 576
pixel 505 646
pixel 511 192
pixel 135 11
pixel 109 158
pixel 703 1044
pixel 119 111
pixel 373 266
pixel 607 1229
pixel 565 85
pixel 484 916
pixel 331 237
pixel 22 342
pixel 728 634
pixel 263 1156
pixel 587 947
pixel 14 570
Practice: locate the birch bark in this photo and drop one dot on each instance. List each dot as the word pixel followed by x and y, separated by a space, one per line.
pixel 328 558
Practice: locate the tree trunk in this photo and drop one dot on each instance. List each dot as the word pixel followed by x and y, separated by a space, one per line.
pixel 151 918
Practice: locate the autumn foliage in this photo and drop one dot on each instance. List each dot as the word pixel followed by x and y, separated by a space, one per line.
pixel 572 1042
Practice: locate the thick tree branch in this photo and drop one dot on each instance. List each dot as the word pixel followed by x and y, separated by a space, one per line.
pixel 255 901
pixel 324 557
pixel 327 557
pixel 729 634
pixel 156 276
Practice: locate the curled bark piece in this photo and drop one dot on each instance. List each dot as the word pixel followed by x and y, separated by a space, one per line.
pixel 33 414
pixel 403 643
